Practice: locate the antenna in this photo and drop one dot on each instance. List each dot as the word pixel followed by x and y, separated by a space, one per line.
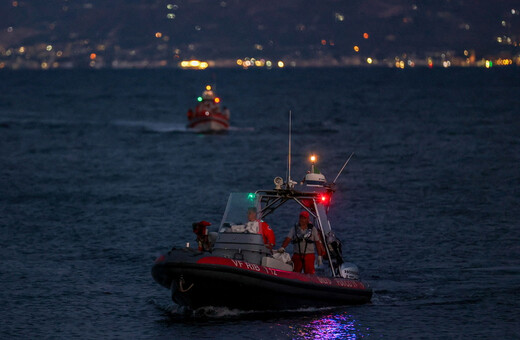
pixel 289 154
pixel 344 165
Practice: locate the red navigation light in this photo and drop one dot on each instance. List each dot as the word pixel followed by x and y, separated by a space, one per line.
pixel 324 199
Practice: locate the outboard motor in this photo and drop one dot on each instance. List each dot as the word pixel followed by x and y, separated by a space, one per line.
pixel 335 249
pixel 349 270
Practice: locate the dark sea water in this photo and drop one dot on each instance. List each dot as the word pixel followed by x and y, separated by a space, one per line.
pixel 98 176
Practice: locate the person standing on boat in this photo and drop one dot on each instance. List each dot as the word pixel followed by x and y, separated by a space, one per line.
pixel 306 241
pixel 256 226
pixel 201 230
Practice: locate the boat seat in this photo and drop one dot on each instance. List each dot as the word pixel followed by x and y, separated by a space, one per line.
pixel 271 262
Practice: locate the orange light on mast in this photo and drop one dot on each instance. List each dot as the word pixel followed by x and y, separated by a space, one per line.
pixel 217 100
pixel 313 158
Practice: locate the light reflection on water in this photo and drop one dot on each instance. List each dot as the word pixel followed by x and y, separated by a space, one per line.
pixel 330 326
pixel 306 323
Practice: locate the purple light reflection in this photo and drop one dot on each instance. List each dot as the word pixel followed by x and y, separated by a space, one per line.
pixel 332 326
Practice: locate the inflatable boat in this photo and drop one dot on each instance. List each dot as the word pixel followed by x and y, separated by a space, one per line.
pixel 240 271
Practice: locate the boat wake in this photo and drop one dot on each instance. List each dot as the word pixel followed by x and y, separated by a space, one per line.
pixel 160 127
pixel 166 127
pixel 179 313
pixel 241 129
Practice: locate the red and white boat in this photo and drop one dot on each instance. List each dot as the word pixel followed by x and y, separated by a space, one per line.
pixel 239 271
pixel 208 117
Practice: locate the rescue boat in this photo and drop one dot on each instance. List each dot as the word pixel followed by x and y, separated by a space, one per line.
pixel 208 117
pixel 241 272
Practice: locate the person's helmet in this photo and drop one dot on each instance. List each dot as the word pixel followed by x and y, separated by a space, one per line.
pixel 349 271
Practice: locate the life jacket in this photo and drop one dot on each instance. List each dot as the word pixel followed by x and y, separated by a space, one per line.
pixel 303 236
pixel 300 236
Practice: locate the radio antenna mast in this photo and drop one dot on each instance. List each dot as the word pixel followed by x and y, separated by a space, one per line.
pixel 289 154
pixel 344 165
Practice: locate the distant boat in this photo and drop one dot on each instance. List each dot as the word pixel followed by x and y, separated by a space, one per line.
pixel 208 117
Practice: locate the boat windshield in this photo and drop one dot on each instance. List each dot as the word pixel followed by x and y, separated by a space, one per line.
pixel 237 208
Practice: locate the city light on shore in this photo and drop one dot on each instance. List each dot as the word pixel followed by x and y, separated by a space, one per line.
pixel 172 35
pixel 194 64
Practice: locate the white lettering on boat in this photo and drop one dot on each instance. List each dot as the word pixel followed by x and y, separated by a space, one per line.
pixel 252 266
pixel 349 284
pixel 255 267
pixel 324 280
pixel 270 271
pixel 343 283
pixel 238 263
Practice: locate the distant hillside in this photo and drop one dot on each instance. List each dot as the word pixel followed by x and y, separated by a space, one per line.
pixel 231 28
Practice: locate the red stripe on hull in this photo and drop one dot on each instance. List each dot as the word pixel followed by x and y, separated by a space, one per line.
pixel 334 282
pixel 211 123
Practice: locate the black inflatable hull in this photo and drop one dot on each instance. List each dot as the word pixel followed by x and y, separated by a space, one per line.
pixel 197 280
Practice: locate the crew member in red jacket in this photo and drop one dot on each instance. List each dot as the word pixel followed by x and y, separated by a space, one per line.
pixel 201 230
pixel 254 225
